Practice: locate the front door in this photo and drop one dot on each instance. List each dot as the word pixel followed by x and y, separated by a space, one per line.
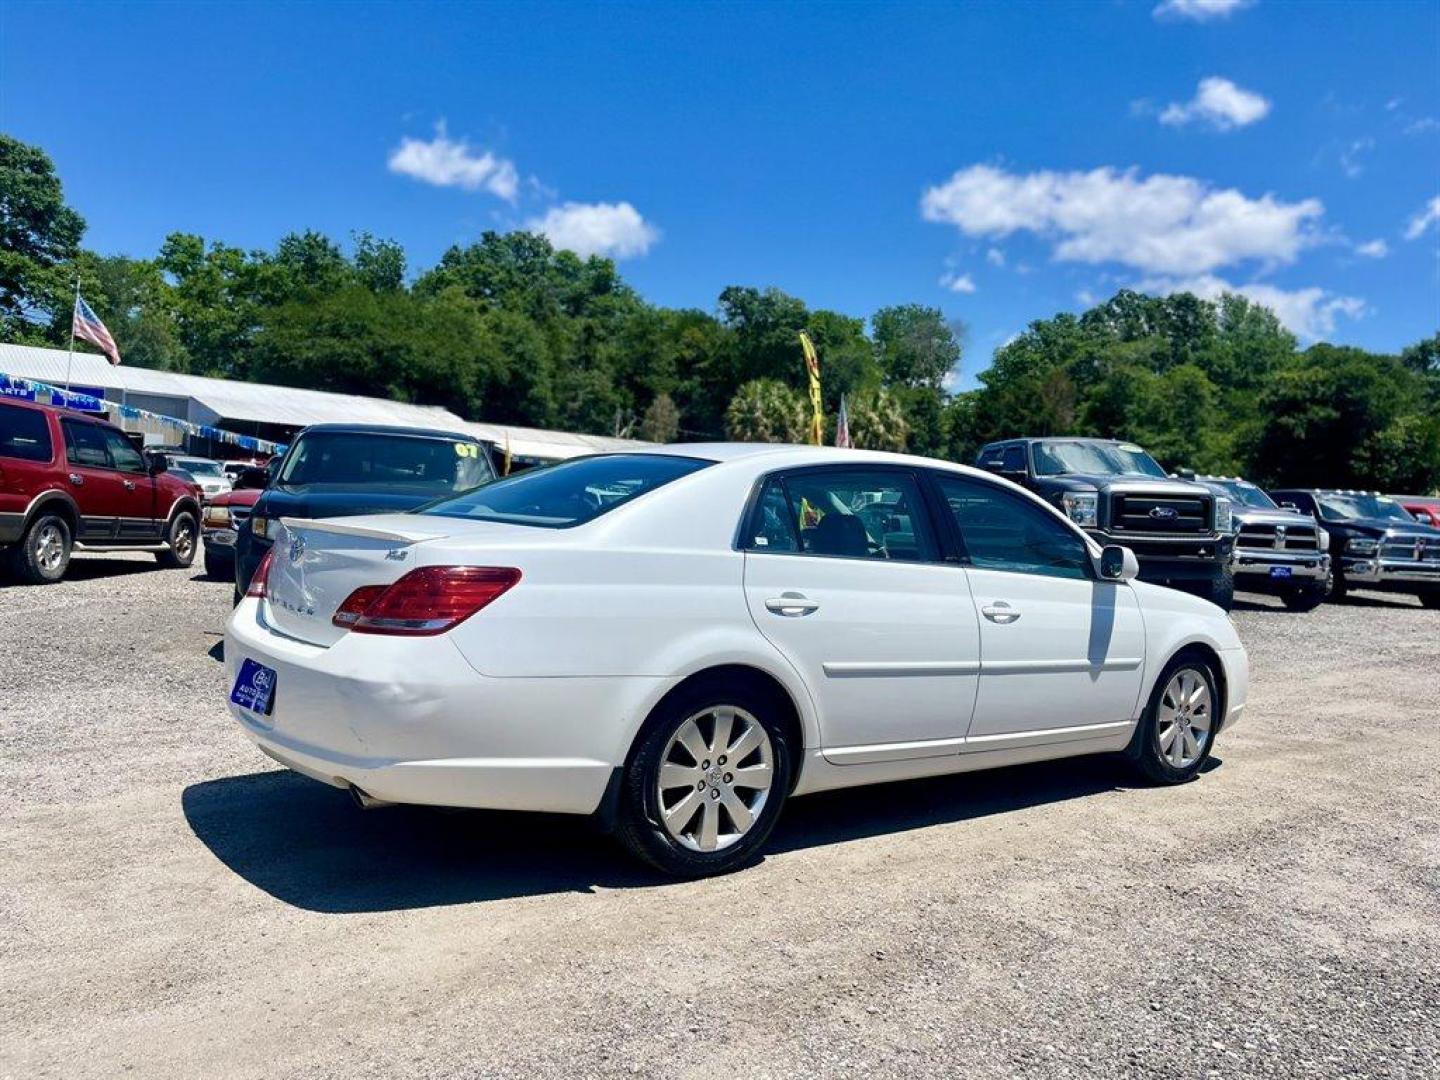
pixel 1062 651
pixel 138 512
pixel 97 487
pixel 842 576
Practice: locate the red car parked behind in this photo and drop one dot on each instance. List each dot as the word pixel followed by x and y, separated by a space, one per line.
pixel 69 480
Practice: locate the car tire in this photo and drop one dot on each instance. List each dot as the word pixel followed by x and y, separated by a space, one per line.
pixel 1339 587
pixel 180 542
pixel 1305 597
pixel 1221 590
pixel 1168 746
pixel 43 553
pixel 694 826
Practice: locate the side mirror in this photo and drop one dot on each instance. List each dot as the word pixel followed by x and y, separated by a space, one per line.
pixel 1185 474
pixel 1289 506
pixel 158 464
pixel 1118 563
pixel 252 479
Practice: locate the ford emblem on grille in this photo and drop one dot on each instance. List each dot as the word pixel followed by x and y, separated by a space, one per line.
pixel 297 549
pixel 1164 513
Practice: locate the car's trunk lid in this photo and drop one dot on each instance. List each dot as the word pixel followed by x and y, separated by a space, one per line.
pixel 317 564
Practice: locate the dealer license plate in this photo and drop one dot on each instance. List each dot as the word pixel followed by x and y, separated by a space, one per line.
pixel 255 688
pixel 1280 571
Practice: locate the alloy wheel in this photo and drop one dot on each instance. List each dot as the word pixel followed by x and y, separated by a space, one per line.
pixel 49 548
pixel 715 777
pixel 1185 718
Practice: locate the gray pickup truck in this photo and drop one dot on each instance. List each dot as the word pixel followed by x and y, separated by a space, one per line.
pixel 1280 552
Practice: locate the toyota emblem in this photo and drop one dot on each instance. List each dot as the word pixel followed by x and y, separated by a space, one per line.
pixel 297 549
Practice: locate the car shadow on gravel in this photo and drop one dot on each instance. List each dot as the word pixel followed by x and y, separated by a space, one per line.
pixel 308 845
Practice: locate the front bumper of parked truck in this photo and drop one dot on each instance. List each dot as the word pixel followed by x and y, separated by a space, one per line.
pixel 1167 559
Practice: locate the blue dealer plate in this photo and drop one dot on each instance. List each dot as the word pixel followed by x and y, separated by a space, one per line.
pixel 255 688
pixel 1275 571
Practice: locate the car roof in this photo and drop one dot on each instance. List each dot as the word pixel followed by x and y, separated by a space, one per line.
pixel 390 429
pixel 792 455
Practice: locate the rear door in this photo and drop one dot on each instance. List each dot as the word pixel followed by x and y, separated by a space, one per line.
pixel 842 575
pixel 27 451
pixel 1062 651
pixel 97 487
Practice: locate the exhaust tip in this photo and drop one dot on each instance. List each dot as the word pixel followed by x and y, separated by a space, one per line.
pixel 366 801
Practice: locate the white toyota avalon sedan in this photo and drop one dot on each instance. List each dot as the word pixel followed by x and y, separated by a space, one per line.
pixel 679 640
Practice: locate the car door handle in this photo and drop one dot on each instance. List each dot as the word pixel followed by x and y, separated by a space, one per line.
pixel 77 479
pixel 792 604
pixel 129 485
pixel 1000 612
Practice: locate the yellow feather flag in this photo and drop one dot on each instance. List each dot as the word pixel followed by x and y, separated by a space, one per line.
pixel 812 367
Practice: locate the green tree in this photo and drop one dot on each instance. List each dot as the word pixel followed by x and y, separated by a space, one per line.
pixel 766 410
pixel 914 346
pixel 39 235
pixel 661 422
pixel 877 422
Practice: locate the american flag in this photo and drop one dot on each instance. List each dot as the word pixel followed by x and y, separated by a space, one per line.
pixel 842 427
pixel 87 325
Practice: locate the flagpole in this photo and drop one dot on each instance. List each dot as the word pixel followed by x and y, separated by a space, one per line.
pixel 70 358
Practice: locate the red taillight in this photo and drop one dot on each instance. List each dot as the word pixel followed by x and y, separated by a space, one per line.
pixel 429 600
pixel 262 575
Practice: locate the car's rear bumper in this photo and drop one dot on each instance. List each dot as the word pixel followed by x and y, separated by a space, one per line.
pixel 410 721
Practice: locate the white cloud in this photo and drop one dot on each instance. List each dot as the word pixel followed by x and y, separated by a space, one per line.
pixel 447 162
pixel 1429 215
pixel 1374 249
pixel 1350 163
pixel 995 257
pixel 1160 224
pixel 1219 103
pixel 958 283
pixel 1309 313
pixel 1086 299
pixel 1422 125
pixel 613 229
pixel 1199 10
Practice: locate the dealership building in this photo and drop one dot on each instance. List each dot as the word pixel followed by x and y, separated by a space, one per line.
pixel 255 410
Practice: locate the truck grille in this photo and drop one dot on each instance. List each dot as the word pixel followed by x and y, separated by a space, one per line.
pixel 1294 537
pixel 1160 515
pixel 1411 548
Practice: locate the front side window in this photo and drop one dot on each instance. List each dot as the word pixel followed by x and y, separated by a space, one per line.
pixel 1002 531
pixel 24 434
pixel 85 445
pixel 855 514
pixel 570 493
pixel 435 464
pixel 123 454
pixel 1014 459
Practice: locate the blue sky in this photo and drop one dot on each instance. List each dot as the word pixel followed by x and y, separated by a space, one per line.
pixel 1000 161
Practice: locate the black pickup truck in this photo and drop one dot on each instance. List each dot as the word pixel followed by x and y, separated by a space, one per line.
pixel 1374 543
pixel 1180 531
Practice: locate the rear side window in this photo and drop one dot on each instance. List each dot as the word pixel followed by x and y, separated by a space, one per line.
pixel 85 445
pixel 1014 460
pixel 853 514
pixel 570 493
pixel 25 434
pixel 1002 531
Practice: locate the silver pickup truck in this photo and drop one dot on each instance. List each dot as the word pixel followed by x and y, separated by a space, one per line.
pixel 1280 552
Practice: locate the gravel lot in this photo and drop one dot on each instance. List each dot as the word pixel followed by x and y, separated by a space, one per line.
pixel 171 905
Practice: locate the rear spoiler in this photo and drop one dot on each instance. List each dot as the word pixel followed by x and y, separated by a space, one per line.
pixel 339 526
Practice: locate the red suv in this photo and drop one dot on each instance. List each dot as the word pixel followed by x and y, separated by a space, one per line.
pixel 68 480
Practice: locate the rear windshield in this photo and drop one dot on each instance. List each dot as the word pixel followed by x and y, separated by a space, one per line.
pixel 24 434
pixel 436 464
pixel 570 493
